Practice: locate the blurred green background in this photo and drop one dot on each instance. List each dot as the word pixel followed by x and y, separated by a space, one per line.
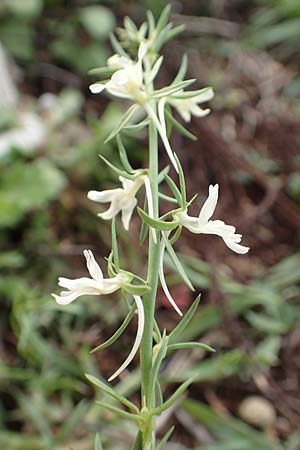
pixel 247 394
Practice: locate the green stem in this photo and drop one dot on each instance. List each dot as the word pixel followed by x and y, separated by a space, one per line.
pixel 149 299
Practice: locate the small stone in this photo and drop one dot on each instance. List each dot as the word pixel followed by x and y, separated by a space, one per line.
pixel 257 411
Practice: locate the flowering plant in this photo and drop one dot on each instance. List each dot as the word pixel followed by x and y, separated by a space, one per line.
pixel 132 72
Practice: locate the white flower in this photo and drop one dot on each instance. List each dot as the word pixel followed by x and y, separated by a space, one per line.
pixel 96 285
pixel 122 199
pixel 187 107
pixel 202 224
pixel 126 82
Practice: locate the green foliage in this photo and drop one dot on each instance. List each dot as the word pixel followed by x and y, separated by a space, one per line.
pixel 25 187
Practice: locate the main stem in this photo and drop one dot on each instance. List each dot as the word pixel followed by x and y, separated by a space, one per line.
pixel 149 299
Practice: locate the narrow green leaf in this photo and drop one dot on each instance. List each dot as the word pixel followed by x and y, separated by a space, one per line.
pixel 110 266
pixel 156 223
pixel 98 445
pixel 117 46
pixel 162 174
pixel 157 363
pixel 191 94
pixel 118 333
pixel 176 236
pixel 182 69
pixel 180 128
pixel 124 121
pixel 123 155
pixel 119 412
pixel 176 262
pixel 185 321
pixel 173 398
pixel 108 390
pixel 136 127
pixel 167 198
pixel 171 90
pixel 130 25
pixel 183 345
pixel 181 181
pixel 174 32
pixel 151 21
pixel 165 438
pixel 155 70
pixel 158 394
pixel 116 169
pixel 144 226
pixel 163 19
pixel 102 71
pixel 135 289
pixel 138 442
pixel 161 38
pixel 174 189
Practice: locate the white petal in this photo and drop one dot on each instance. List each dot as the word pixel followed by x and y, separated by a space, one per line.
pixel 79 284
pixel 112 211
pixel 241 249
pixel 163 281
pixel 120 78
pixel 139 335
pixel 207 95
pixel 96 88
pixel 93 267
pixel 127 184
pixel 127 213
pixel 103 196
pixel 142 50
pixel 199 112
pixel 210 204
pixel 67 298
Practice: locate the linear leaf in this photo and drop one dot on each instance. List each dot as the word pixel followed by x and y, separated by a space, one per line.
pixel 123 155
pixel 183 345
pixel 135 289
pixel 171 90
pixel 117 46
pixel 180 128
pixel 119 412
pixel 176 262
pixel 98 445
pixel 181 181
pixel 124 121
pixel 156 223
pixel 157 363
pixel 174 189
pixel 165 438
pixel 116 169
pixel 173 398
pixel 138 442
pixel 118 333
pixel 182 69
pixel 108 390
pixel 185 321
